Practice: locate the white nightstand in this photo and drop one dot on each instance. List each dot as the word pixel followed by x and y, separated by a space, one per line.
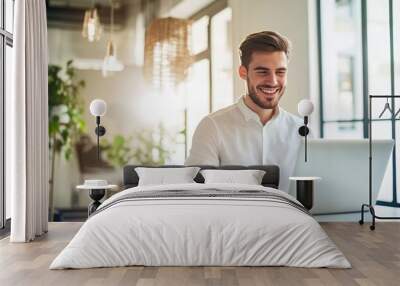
pixel 305 190
pixel 96 193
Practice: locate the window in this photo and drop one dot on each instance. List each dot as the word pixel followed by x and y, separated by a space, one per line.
pixel 210 81
pixel 221 60
pixel 197 100
pixel 6 43
pixel 342 80
pixel 354 66
pixel 345 90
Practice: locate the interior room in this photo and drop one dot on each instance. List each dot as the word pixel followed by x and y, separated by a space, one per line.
pixel 199 142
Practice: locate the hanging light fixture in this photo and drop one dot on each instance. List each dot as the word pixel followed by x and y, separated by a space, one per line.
pixel 167 55
pixel 111 63
pixel 92 28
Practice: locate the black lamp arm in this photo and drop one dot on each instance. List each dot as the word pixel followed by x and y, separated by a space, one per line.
pixel 100 131
pixel 303 131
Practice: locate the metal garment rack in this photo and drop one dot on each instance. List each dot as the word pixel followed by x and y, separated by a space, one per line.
pixel 370 205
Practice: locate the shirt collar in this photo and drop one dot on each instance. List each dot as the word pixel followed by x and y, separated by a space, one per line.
pixel 250 114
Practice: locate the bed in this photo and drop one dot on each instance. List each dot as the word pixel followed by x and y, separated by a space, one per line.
pixel 201 224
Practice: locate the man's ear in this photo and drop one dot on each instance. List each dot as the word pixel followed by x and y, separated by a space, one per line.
pixel 243 72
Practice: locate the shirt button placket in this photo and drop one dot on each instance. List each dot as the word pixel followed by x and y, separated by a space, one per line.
pixel 263 142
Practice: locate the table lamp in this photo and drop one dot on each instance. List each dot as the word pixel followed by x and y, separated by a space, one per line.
pixel 305 108
pixel 98 108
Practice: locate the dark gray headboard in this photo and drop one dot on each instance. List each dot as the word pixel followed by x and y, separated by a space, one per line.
pixel 270 179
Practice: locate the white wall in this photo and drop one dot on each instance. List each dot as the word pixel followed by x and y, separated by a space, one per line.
pixel 295 20
pixel 132 106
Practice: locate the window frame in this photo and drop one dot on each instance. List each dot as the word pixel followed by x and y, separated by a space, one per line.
pixel 210 11
pixel 365 88
pixel 6 39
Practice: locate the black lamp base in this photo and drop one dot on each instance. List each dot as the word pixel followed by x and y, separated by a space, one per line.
pixel 305 193
pixel 100 130
pixel 96 195
pixel 303 130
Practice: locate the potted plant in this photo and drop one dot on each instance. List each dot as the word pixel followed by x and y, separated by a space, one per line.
pixel 65 116
pixel 145 147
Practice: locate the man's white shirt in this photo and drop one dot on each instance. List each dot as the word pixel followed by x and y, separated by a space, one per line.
pixel 235 136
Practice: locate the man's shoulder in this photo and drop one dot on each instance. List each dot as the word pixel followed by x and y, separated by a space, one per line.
pixel 224 113
pixel 291 118
pixel 220 119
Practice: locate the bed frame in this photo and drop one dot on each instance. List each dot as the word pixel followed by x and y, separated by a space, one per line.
pixel 270 179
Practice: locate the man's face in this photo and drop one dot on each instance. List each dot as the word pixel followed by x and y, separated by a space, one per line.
pixel 266 78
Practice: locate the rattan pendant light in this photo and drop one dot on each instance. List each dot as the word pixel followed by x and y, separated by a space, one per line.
pixel 167 54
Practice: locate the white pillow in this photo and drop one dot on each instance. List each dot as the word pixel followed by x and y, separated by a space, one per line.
pixel 163 176
pixel 248 177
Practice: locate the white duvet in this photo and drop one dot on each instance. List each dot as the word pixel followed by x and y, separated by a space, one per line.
pixel 200 231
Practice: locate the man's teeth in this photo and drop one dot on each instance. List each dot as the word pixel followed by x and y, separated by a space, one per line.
pixel 268 90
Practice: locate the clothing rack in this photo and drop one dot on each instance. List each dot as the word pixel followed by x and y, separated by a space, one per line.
pixel 370 205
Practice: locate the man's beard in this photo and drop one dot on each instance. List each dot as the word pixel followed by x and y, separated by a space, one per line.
pixel 272 104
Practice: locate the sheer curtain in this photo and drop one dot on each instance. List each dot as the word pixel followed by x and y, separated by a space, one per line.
pixel 27 121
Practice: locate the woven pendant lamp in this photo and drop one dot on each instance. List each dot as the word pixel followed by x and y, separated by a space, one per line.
pixel 167 55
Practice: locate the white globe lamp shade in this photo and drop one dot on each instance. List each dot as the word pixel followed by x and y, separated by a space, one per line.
pixel 98 107
pixel 305 107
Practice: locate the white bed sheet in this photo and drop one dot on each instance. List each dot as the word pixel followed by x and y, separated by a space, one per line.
pixel 200 231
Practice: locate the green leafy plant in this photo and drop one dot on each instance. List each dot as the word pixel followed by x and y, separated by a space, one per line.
pixel 66 108
pixel 146 147
pixel 117 152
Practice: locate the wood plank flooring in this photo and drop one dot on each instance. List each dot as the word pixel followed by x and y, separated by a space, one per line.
pixel 374 255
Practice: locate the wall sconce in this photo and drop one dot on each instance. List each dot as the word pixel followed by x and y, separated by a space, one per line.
pixel 98 108
pixel 305 108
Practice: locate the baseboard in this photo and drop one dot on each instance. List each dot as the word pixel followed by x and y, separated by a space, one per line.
pixel 5 231
pixel 70 214
pixel 340 213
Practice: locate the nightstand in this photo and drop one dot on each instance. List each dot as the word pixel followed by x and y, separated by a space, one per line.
pixel 96 193
pixel 305 190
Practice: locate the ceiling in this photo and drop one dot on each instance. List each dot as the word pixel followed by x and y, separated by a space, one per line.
pixel 82 3
pixel 68 14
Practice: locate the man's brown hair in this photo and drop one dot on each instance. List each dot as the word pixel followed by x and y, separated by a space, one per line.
pixel 265 41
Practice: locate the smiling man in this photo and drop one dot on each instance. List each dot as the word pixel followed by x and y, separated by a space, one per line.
pixel 255 130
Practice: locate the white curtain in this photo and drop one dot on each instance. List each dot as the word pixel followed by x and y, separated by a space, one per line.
pixel 27 121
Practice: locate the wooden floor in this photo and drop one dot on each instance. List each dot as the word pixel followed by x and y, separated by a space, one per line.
pixel 374 255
